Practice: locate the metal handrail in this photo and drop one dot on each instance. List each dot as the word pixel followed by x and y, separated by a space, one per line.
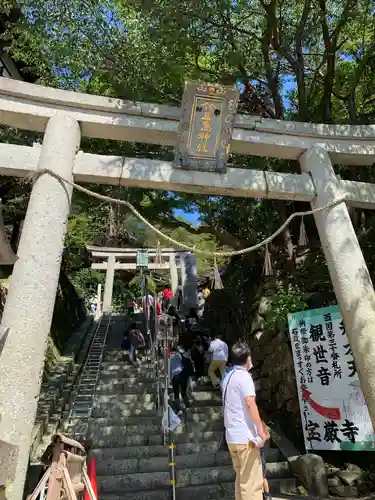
pixel 162 339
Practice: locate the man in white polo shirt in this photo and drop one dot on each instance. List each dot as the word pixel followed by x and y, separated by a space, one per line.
pixel 245 433
pixel 219 356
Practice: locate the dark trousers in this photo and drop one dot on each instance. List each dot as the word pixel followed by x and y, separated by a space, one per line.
pixel 198 360
pixel 179 384
pixel 133 355
pixel 199 368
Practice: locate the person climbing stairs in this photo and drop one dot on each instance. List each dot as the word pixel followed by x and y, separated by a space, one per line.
pixel 127 439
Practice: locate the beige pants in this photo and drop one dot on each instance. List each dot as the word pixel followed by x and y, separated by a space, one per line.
pixel 212 369
pixel 248 467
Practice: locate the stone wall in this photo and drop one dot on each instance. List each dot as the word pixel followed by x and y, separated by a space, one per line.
pixel 273 364
pixel 69 314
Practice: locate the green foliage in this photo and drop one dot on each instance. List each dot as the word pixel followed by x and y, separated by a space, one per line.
pixel 287 299
pixel 310 60
pixel 86 283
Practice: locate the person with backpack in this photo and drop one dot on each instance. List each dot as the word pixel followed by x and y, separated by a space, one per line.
pixel 197 355
pixel 136 341
pixel 180 369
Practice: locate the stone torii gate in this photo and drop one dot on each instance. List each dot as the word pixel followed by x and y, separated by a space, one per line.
pixel 111 260
pixel 63 117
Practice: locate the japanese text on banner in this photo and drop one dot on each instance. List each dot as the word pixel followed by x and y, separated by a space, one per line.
pixel 333 411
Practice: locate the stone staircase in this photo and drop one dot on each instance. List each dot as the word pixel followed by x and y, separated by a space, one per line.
pixel 132 461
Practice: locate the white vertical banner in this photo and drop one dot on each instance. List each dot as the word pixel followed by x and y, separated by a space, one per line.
pixel 333 410
pixel 189 281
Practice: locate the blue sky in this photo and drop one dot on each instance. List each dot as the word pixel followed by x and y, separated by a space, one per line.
pixel 191 218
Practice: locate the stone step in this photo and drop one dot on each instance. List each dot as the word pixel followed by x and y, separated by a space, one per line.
pixel 114 403
pixel 118 356
pixel 223 491
pixel 278 486
pixel 130 425
pixel 123 453
pixel 208 411
pixel 132 482
pixel 110 386
pixel 118 366
pixel 205 387
pixel 211 403
pixel 204 475
pixel 184 477
pixel 202 414
pixel 205 425
pixel 124 429
pixel 126 421
pixel 161 464
pixel 154 480
pixel 112 399
pixel 131 385
pixel 106 375
pixel 116 438
pixel 160 494
pixel 222 474
pixel 124 411
pixel 209 396
pixel 116 407
pixel 109 452
pixel 189 462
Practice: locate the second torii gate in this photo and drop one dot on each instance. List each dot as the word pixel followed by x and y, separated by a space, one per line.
pixel 112 259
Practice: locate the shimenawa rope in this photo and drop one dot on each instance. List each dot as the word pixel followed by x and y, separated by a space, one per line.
pixel 108 199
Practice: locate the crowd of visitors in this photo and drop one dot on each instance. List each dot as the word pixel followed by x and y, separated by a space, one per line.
pixel 201 357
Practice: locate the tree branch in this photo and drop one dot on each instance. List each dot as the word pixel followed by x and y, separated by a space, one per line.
pixel 223 237
pixel 331 46
pixel 347 11
pixel 300 67
pixel 272 78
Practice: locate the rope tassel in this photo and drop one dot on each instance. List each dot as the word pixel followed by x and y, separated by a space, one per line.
pixel 303 239
pixel 218 284
pixel 267 267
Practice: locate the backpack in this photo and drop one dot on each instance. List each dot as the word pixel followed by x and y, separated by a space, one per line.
pixel 125 344
pixel 136 338
pixel 187 365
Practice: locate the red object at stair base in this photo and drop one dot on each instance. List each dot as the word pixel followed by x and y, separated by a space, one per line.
pixel 91 472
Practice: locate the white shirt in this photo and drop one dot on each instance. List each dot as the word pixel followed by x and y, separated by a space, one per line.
pixel 239 428
pixel 219 350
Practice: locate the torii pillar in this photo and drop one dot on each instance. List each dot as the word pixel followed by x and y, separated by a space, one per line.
pixel 347 267
pixel 31 298
pixel 108 287
pixel 189 282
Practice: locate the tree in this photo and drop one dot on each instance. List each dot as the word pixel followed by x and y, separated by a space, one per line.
pixel 300 59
